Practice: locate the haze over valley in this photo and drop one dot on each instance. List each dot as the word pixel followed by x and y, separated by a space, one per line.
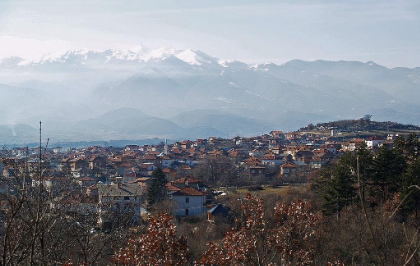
pixel 168 93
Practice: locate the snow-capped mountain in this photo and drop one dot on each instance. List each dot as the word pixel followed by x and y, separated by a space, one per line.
pixel 190 93
pixel 138 54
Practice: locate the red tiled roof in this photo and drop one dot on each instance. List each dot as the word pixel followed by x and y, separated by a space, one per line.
pixel 188 191
pixel 166 170
pixel 269 157
pixel 149 157
pixel 139 180
pixel 146 165
pixel 171 187
pixel 185 167
pixel 190 180
pixel 87 179
pixel 289 165
pixel 356 141
pixel 253 161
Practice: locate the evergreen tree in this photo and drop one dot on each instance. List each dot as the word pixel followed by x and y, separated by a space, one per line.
pixel 388 168
pixel 157 191
pixel 339 190
pixel 411 178
pixel 365 166
pixel 409 147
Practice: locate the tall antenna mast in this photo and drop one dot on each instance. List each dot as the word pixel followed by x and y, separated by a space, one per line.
pixel 40 134
pixel 40 151
pixel 40 148
pixel 26 171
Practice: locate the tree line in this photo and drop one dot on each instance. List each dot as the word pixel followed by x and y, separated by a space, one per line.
pixel 384 175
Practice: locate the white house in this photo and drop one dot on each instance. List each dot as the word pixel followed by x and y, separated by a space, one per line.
pixel 167 161
pixel 373 142
pixel 189 201
pixel 146 169
pixel 271 160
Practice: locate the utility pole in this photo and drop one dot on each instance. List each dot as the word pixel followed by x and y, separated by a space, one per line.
pixel 26 171
pixel 40 156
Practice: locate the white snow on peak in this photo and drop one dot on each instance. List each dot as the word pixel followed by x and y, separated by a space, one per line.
pixel 260 67
pixel 138 53
pixel 128 55
pixel 196 57
pixel 161 53
pixel 49 57
pixel 139 49
pixel 190 57
pixel 224 63
pixel 59 57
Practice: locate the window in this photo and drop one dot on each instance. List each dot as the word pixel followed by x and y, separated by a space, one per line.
pixel 187 200
pixel 126 198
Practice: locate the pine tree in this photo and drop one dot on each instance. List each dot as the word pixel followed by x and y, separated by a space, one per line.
pixel 409 147
pixel 365 167
pixel 388 168
pixel 340 189
pixel 411 178
pixel 157 191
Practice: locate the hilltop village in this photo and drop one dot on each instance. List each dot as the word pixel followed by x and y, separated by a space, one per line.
pixel 195 171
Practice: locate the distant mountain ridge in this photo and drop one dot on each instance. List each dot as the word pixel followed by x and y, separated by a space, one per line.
pixel 170 93
pixel 89 58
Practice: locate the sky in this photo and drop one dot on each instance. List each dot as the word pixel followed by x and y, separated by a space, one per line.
pixel 386 32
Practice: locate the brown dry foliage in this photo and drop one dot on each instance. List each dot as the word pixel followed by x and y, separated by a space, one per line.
pixel 158 246
pixel 251 242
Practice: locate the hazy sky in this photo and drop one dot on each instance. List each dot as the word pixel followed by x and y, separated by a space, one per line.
pixel 386 31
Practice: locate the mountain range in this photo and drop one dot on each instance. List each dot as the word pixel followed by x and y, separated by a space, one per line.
pixel 181 94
